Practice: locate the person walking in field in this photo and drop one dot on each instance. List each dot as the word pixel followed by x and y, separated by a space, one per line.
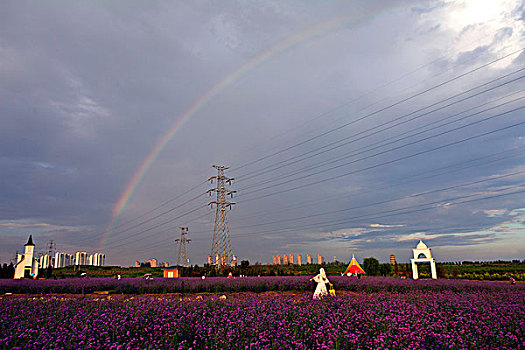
pixel 321 280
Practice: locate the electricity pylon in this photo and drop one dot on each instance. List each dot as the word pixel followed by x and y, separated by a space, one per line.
pixel 182 260
pixel 221 248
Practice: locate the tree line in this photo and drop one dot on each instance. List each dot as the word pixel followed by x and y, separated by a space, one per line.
pixel 7 271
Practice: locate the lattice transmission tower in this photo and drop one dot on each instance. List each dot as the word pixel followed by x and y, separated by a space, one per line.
pixel 221 248
pixel 183 259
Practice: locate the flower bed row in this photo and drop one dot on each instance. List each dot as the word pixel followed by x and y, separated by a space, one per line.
pixel 483 319
pixel 245 284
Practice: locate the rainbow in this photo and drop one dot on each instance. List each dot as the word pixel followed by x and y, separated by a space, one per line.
pixel 278 49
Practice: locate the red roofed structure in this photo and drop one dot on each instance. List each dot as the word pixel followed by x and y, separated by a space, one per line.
pixel 354 267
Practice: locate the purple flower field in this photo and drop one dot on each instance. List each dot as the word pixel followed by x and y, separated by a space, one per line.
pixel 379 313
pixel 247 284
pixel 386 320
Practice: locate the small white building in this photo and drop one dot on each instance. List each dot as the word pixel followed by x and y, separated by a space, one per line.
pixel 422 254
pixel 26 264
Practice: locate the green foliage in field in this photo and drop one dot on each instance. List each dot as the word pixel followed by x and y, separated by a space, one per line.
pixel 371 266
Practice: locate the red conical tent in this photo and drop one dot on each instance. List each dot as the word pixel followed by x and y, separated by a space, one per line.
pixel 354 267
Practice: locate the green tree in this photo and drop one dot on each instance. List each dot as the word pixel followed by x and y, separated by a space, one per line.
pixel 371 266
pixel 3 271
pixel 385 269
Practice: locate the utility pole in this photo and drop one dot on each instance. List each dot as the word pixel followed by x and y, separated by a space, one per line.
pixel 182 260
pixel 221 249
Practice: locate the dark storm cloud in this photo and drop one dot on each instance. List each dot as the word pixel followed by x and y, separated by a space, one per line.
pixel 88 90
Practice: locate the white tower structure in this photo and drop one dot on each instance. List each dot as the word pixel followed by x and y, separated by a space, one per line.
pixel 27 265
pixel 422 254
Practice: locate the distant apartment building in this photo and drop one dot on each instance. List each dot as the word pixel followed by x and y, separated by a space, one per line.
pixel 289 259
pixel 224 259
pixel 152 262
pixel 59 259
pixel 81 258
pixel 98 259
pixel 45 261
pixel 63 260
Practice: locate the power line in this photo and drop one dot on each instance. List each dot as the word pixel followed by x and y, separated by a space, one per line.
pixel 161 205
pixel 401 210
pixel 388 162
pixel 404 100
pixel 196 197
pixel 390 212
pixel 156 226
pixel 419 229
pixel 492 178
pixel 381 109
pixel 383 142
pixel 384 201
pixel 410 179
pixel 169 229
pixel 158 215
pixel 278 164
pixel 116 233
pixel 377 88
pixel 457 77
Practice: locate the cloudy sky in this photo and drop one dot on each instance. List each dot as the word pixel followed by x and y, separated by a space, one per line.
pixel 351 127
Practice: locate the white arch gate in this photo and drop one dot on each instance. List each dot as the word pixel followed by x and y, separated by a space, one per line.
pixel 422 254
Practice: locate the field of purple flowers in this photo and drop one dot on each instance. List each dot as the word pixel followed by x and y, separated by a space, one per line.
pixel 246 284
pixel 490 318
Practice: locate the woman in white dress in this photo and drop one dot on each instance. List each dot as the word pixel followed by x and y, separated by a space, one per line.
pixel 321 279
